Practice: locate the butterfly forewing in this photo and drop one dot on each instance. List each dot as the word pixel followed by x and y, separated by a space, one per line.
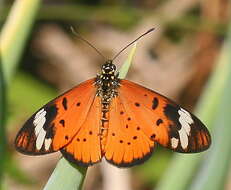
pixel 163 121
pixel 54 125
pixel 126 143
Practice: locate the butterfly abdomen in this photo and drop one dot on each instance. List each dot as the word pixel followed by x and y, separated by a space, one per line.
pixel 107 83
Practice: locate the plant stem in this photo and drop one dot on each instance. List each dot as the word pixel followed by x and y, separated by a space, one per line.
pixel 2 123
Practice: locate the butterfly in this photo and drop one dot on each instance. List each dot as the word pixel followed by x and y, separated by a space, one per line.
pixel 112 118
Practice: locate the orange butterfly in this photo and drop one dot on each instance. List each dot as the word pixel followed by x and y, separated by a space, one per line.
pixel 112 118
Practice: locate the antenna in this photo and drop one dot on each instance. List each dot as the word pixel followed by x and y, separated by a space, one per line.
pixel 87 42
pixel 150 30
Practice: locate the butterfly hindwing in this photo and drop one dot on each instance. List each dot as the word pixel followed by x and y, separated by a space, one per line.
pixel 84 149
pixel 126 143
pixel 54 125
pixel 163 121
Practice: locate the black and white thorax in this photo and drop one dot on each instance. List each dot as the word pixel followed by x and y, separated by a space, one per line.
pixel 107 82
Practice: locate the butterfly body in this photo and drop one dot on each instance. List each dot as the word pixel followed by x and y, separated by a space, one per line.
pixel 112 118
pixel 107 83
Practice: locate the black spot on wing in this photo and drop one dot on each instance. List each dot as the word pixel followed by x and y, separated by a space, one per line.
pixel 78 104
pixel 159 121
pixel 64 103
pixel 62 122
pixel 153 136
pixel 137 104
pixel 155 103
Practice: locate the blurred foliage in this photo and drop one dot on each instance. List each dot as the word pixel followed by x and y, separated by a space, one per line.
pixel 211 110
pixel 12 40
pixel 24 98
pixel 120 16
pixel 123 17
pixel 153 169
pixel 219 156
pixel 13 170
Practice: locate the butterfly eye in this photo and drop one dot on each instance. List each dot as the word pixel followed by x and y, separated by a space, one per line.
pixel 113 67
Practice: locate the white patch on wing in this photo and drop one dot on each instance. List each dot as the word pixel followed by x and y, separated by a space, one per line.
pixel 183 138
pixel 185 120
pixel 40 139
pixel 174 142
pixel 39 121
pixel 47 143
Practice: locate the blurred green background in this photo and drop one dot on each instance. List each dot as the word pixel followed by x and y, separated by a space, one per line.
pixel 187 58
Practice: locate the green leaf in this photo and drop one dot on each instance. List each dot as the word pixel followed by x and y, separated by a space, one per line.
pixel 125 67
pixel 66 176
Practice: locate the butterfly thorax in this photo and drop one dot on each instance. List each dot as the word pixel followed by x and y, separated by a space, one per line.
pixel 107 83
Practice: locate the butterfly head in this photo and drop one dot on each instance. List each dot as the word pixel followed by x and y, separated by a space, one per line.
pixel 107 81
pixel 108 68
